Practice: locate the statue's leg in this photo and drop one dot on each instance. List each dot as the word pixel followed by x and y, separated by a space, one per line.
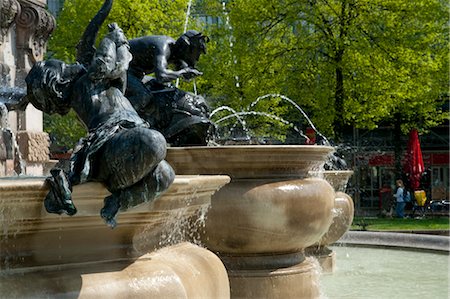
pixel 128 157
pixel 110 209
pixel 131 167
pixel 147 189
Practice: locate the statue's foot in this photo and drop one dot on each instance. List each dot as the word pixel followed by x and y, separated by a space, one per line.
pixel 54 205
pixel 59 198
pixel 109 210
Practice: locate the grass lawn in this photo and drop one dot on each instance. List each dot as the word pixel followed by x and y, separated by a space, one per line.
pixel 396 224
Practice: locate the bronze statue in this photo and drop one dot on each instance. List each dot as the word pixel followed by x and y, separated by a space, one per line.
pixel 182 117
pixel 121 151
pixel 127 115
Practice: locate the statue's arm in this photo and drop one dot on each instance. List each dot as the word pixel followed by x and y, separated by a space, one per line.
pixel 85 47
pixel 109 62
pixel 19 105
pixel 123 59
pixel 163 74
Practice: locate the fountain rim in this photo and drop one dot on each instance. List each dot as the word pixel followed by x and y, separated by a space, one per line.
pixel 257 147
pixel 249 161
pixel 396 240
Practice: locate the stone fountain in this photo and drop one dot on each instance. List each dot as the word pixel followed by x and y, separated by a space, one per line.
pixel 47 255
pixel 261 223
pixel 44 254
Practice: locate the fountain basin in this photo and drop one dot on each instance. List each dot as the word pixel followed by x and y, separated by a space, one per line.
pixel 337 178
pixel 249 161
pixel 269 206
pixel 344 211
pixel 48 255
pixel 260 216
pixel 261 222
pixel 420 266
pixel 32 237
pixel 179 271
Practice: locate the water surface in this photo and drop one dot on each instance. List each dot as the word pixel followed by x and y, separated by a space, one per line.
pixel 387 273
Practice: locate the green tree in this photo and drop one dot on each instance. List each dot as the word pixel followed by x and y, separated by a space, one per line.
pixel 135 17
pixel 348 62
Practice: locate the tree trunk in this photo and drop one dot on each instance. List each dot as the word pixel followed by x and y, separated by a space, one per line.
pixel 397 146
pixel 339 102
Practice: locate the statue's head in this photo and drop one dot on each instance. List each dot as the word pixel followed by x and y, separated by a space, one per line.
pixel 48 85
pixel 190 46
pixel 116 34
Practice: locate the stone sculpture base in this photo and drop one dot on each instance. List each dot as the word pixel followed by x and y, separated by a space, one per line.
pixel 324 256
pixel 45 255
pixel 261 222
pixel 180 271
pixel 273 276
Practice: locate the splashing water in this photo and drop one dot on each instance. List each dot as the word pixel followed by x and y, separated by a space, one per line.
pixel 234 113
pixel 181 227
pixel 188 13
pixel 250 112
pixel 258 113
pixel 295 105
pixel 186 22
pixel 230 40
pixel 19 163
pixel 238 115
pixel 10 137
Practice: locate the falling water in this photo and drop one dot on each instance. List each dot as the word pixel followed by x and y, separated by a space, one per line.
pixel 295 105
pixel 234 112
pixel 254 113
pixel 180 227
pixel 10 96
pixel 259 113
pixel 230 39
pixel 188 13
pixel 186 22
pixel 238 115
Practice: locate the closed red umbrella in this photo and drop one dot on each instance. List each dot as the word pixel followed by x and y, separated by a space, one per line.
pixel 414 161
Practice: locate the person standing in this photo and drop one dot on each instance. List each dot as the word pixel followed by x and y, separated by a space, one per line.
pixel 400 203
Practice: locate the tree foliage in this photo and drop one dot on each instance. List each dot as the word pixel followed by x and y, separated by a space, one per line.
pixel 135 17
pixel 347 62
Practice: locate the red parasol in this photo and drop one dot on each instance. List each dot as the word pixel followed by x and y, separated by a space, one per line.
pixel 414 162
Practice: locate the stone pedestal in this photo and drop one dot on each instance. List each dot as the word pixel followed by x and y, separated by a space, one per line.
pixel 25 26
pixel 180 271
pixel 343 213
pixel 295 281
pixel 50 256
pixel 262 221
pixel 34 148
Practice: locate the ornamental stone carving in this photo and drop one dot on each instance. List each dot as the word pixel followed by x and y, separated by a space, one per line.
pixel 9 9
pixel 34 26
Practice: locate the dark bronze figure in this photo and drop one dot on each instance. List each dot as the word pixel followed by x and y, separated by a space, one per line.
pixel 182 117
pixel 121 151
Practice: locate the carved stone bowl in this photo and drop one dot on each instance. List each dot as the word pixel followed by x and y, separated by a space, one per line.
pixel 270 206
